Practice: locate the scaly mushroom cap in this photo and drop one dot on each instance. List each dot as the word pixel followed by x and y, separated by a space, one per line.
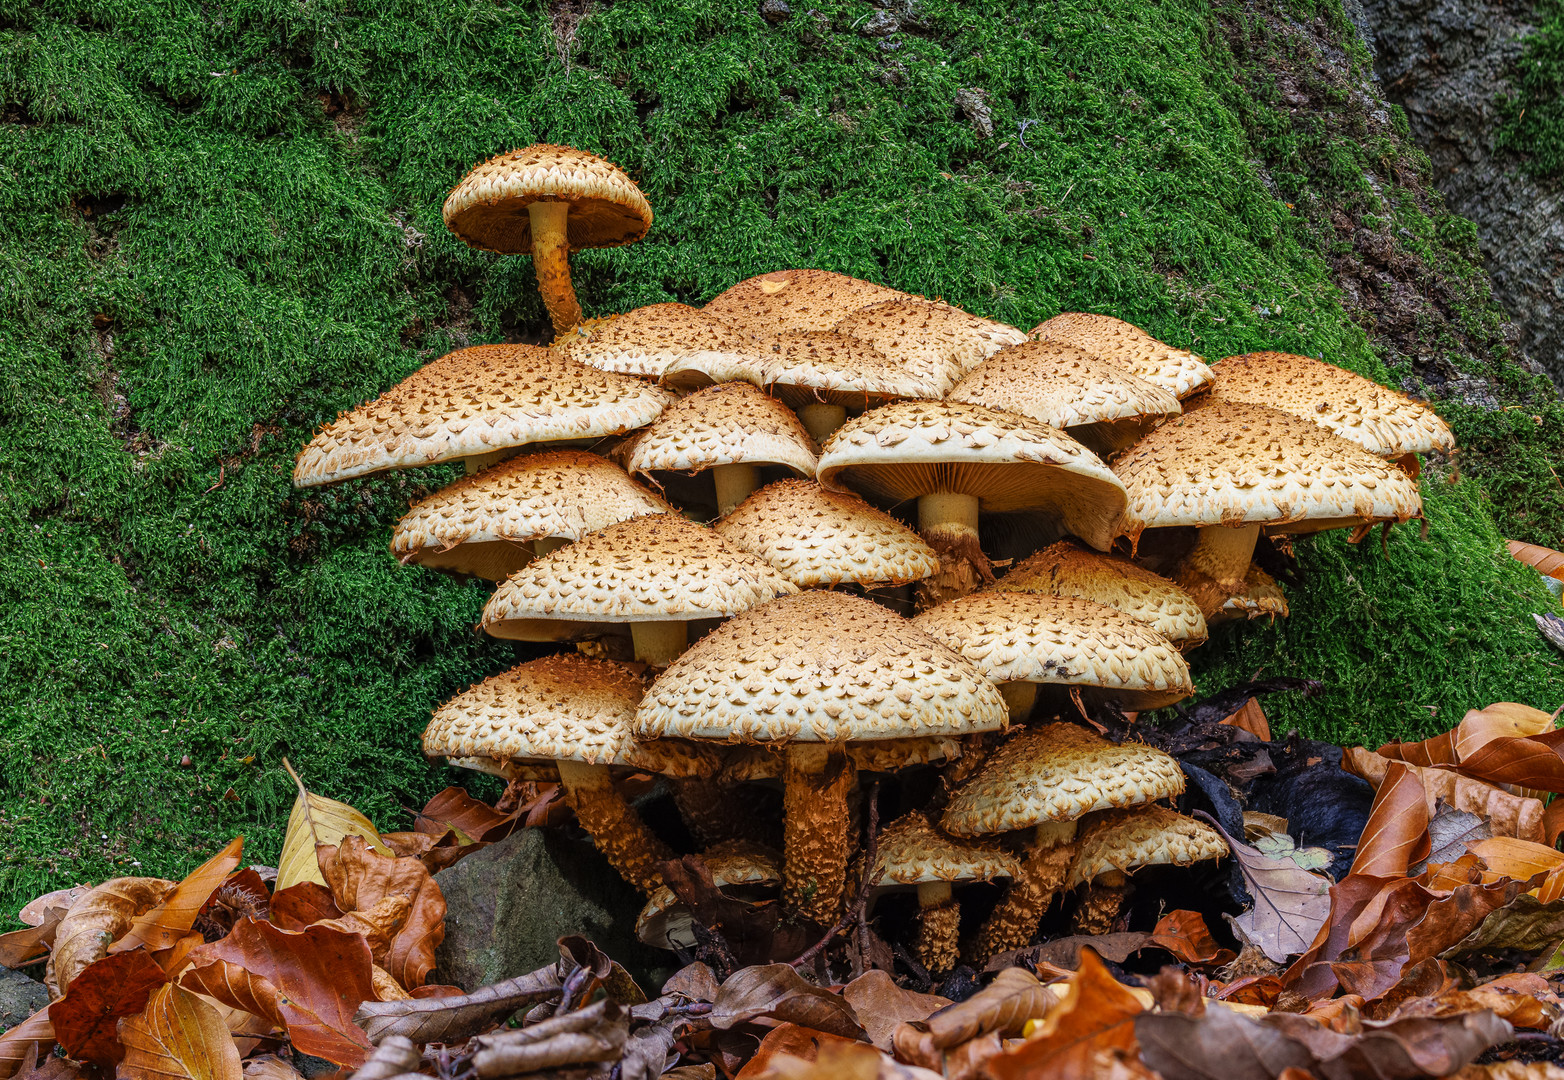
pixel 912 448
pixel 475 401
pixel 478 524
pixel 1062 386
pixel 1058 772
pixel 820 538
pixel 488 209
pixel 804 367
pixel 1233 464
pixel 559 708
pixel 786 300
pixel 1130 347
pixel 910 851
pixel 1068 569
pixel 664 921
pixel 653 569
pixel 732 423
pixel 1375 417
pixel 935 342
pixel 649 340
pixel 1126 840
pixel 1065 641
pixel 819 667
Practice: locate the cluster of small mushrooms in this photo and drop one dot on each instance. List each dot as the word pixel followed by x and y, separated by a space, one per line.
pixel 726 515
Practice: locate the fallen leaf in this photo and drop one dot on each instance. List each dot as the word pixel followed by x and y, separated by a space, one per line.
pixel 472 820
pixel 85 1019
pixel 1065 952
pixel 1485 746
pixel 454 1019
pixel 1544 560
pixel 1290 904
pixel 38 908
pixel 1524 924
pixel 778 992
pixel 1507 814
pixel 316 821
pixel 377 926
pixel 302 905
pixel 1449 832
pixel 881 1005
pixel 178 1036
pixel 29 1038
pixel 1518 859
pixel 1186 935
pixel 1251 718
pixel 1396 834
pixel 788 1041
pixel 95 921
pixel 1095 1014
pixel 1003 1007
pixel 595 1033
pixel 693 981
pixel 360 878
pixel 22 947
pixel 269 1067
pixel 172 919
pixel 1220 1044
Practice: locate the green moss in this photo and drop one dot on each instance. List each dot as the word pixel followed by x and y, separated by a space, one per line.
pixel 1533 124
pixel 221 225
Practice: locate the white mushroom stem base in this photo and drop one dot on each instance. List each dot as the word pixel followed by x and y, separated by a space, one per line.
pixel 939 925
pixel 1213 570
pixel 734 484
pixel 1019 699
pixel 1015 918
pixel 818 781
pixel 551 262
pixel 949 523
pixel 658 644
pixel 617 830
pixel 822 420
pixel 1104 899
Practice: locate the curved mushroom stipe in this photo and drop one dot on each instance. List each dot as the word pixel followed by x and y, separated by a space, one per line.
pixel 551 262
pixel 617 830
pixel 819 781
pixel 1013 922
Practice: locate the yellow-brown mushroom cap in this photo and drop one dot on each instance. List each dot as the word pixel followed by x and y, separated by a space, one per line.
pixel 732 423
pixel 1126 840
pixel 805 367
pixel 488 209
pixel 1068 569
pixel 1118 342
pixel 821 538
pixel 1059 772
pixel 912 448
pixel 1065 641
pixel 935 342
pixel 652 569
pixel 475 401
pixel 787 300
pixel 819 667
pixel 559 708
pixel 1062 386
pixel 560 493
pixel 1233 464
pixel 1377 418
pixel 649 340
pixel 910 851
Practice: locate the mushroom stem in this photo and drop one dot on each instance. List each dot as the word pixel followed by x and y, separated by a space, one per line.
pixel 734 484
pixel 658 644
pixel 718 810
pixel 939 923
pixel 818 780
pixel 821 420
pixel 949 522
pixel 545 544
pixel 551 262
pixel 478 462
pixel 619 833
pixel 1014 919
pixel 1105 896
pixel 1019 699
pixel 1260 595
pixel 1213 570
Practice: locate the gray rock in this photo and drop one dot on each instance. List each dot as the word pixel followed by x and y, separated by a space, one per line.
pixel 20 997
pixel 880 24
pixel 510 903
pixel 974 103
pixel 774 11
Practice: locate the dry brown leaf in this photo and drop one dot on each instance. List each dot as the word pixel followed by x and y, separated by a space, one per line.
pixel 451 1020
pixel 387 988
pixel 1505 856
pixel 778 992
pixel 37 909
pixel 881 1005
pixel 592 1034
pixel 301 905
pixel 27 1039
pixel 1251 718
pixel 269 1067
pixel 788 1041
pixel 1291 904
pixel 164 925
pixel 1003 1006
pixel 85 1019
pixel 22 947
pixel 1485 746
pixel 453 809
pixel 1095 1014
pixel 360 878
pixel 1396 833
pixel 1186 935
pixel 96 921
pixel 178 1037
pixel 1507 814
pixel 1544 560
pixel 378 925
pixel 316 820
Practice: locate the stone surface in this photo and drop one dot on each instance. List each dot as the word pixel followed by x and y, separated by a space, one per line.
pixel 20 997
pixel 511 902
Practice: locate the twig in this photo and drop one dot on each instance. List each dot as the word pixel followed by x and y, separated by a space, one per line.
pixel 852 914
pixel 304 801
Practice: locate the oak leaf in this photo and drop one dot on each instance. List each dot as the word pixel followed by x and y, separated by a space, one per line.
pixel 97 920
pixel 1096 1015
pixel 85 1018
pixel 315 821
pixel 178 1037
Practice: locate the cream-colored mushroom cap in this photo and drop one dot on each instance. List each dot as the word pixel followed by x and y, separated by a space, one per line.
pixel 819 667
pixel 1063 387
pixel 1058 772
pixel 935 342
pixel 1065 641
pixel 786 300
pixel 559 708
pixel 912 448
pixel 910 851
pixel 1375 417
pixel 1117 342
pixel 1125 840
pixel 806 367
pixel 664 921
pixel 820 538
pixel 648 340
pixel 652 569
pixel 1068 569
pixel 488 209
pixel 476 401
pixel 480 524
pixel 1233 464
pixel 732 423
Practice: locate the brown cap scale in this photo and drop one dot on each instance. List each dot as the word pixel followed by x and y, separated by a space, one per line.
pixel 549 200
pixel 653 573
pixel 1068 569
pixel 935 342
pixel 959 460
pixel 491 524
pixel 813 672
pixel 649 340
pixel 1230 469
pixel 1115 843
pixel 476 404
pixel 787 300
pixel 731 430
pixel 1101 405
pixel 1117 342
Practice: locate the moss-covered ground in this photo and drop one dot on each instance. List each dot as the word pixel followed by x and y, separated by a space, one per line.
pixel 219 225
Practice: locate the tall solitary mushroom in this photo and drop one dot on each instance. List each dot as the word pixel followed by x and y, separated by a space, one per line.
pixel 549 200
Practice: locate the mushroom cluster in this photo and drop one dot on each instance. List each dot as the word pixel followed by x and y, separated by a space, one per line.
pixel 823 610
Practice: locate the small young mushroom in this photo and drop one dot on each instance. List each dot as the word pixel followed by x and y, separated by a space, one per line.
pixel 1045 779
pixel 649 340
pixel 910 851
pixel 1131 348
pixel 813 673
pixel 1115 843
pixel 736 868
pixel 935 342
pixel 549 200
pixel 492 524
pixel 787 300
pixel 478 404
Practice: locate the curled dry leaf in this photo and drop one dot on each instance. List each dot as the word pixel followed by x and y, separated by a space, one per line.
pixel 788 1042
pixel 1396 833
pixel 881 1005
pixel 394 1056
pixel 1486 745
pixel 361 878
pixel 452 1019
pixel 269 1067
pixel 315 821
pixel 85 1019
pixel 1505 856
pixel 303 905
pixel 1290 903
pixel 778 992
pixel 36 910
pixel 25 1040
pixel 595 1033
pixel 178 1037
pixel 171 919
pixel 1186 935
pixel 1095 1015
pixel 378 925
pixel 95 921
pixel 454 810
pixel 1544 560
pixel 1507 814
pixel 22 947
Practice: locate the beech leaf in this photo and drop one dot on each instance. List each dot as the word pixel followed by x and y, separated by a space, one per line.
pixel 454 809
pixel 1096 1015
pixel 1003 1008
pixel 1186 935
pixel 595 1033
pixel 38 908
pixel 881 1005
pixel 24 1040
pixel 1518 859
pixel 178 1037
pixel 302 905
pixel 1544 560
pixel 85 1019
pixel 316 820
pixel 1396 833
pixel 453 1019
pixel 361 878
pixel 1290 903
pixel 172 919
pixel 1524 924
pixel 96 921
pixel 1507 814
pixel 777 992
